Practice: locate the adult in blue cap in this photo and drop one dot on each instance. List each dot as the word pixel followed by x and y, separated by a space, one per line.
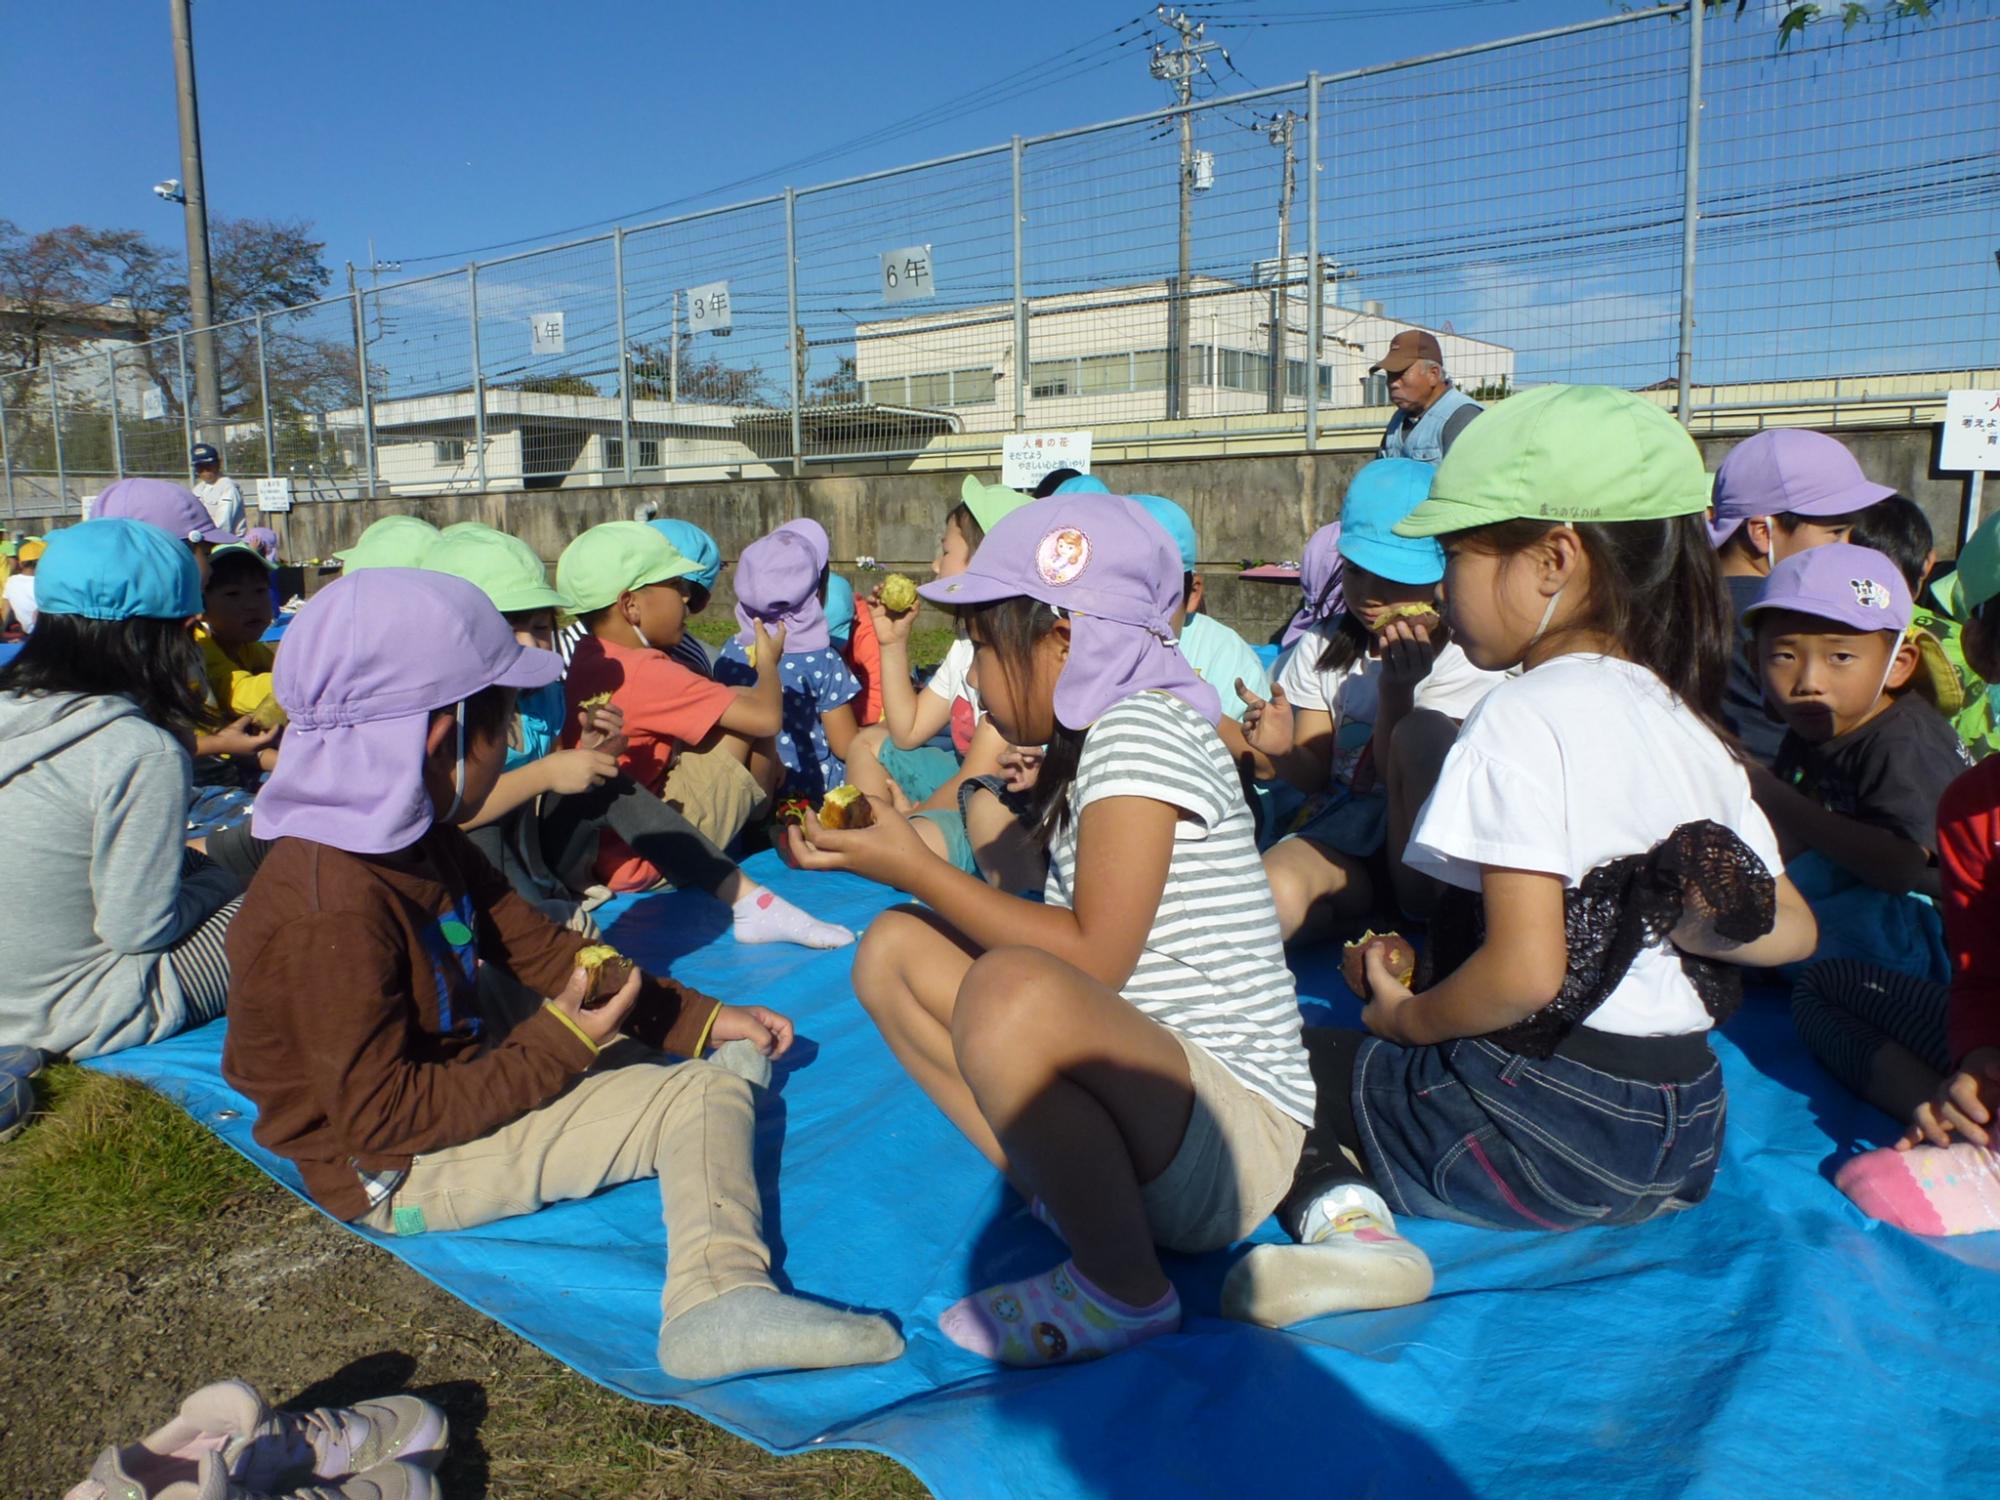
pixel 219 496
pixel 117 936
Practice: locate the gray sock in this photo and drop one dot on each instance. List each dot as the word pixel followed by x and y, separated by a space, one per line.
pixel 744 1060
pixel 759 1328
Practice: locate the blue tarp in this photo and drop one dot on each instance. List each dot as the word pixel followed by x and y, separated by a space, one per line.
pixel 1769 1342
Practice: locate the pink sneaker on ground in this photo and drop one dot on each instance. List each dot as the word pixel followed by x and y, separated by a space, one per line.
pixel 111 1478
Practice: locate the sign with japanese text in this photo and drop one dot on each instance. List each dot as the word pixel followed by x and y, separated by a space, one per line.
pixel 547 330
pixel 708 308
pixel 274 494
pixel 907 274
pixel 152 405
pixel 1971 431
pixel 1025 457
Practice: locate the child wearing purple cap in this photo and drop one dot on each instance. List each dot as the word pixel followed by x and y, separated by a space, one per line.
pixel 781 580
pixel 357 1031
pixel 1127 1050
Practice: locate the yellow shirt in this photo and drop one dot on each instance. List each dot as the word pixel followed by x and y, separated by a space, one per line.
pixel 239 684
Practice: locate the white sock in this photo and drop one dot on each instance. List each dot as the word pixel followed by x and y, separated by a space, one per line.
pixel 763 916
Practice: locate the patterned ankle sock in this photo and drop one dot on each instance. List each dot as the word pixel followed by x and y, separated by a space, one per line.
pixel 1934 1190
pixel 1055 1318
pixel 766 917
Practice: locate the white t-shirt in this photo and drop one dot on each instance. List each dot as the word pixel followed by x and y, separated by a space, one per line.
pixel 1584 760
pixel 951 680
pixel 1213 967
pixel 1352 695
pixel 21 598
pixel 224 503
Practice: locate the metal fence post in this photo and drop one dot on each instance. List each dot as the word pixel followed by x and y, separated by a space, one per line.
pixel 794 335
pixel 1315 313
pixel 367 396
pixel 264 403
pixel 187 408
pixel 117 438
pixel 7 454
pixel 55 431
pixel 1690 211
pixel 1020 307
pixel 478 378
pixel 624 355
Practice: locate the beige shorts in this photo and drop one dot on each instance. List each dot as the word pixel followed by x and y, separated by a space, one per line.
pixel 714 791
pixel 1234 1166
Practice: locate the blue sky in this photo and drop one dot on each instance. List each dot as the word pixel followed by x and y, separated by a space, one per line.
pixel 441 125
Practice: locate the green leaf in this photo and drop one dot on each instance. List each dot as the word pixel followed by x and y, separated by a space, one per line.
pixel 1852 15
pixel 1797 19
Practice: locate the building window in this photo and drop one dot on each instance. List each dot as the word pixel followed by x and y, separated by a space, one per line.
pixel 895 391
pixel 973 387
pixel 448 451
pixel 649 453
pixel 614 453
pixel 931 390
pixel 1052 377
pixel 1149 370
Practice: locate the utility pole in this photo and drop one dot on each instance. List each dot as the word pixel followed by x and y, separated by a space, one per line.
pixel 1179 66
pixel 201 293
pixel 1280 132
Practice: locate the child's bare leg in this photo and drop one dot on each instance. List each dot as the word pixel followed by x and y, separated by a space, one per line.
pixel 1315 888
pixel 906 975
pixel 1416 755
pixel 863 768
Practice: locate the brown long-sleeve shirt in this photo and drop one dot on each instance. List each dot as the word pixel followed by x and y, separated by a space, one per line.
pixel 353 1022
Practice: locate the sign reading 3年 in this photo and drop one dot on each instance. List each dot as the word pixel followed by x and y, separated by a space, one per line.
pixel 708 307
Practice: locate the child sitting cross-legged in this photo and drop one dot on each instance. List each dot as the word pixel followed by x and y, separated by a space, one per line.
pixel 355 1026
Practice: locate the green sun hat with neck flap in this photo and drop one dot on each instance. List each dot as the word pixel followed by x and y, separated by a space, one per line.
pixel 505 568
pixel 1564 453
pixel 989 502
pixel 392 542
pixel 616 558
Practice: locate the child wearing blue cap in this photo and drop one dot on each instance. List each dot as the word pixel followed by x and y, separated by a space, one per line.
pixel 1364 711
pixel 124 943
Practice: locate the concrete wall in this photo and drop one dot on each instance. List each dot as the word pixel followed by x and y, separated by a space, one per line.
pixel 1245 509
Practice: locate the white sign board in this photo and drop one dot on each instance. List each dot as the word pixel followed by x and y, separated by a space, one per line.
pixel 152 405
pixel 274 494
pixel 1971 431
pixel 907 274
pixel 708 308
pixel 547 329
pixel 1025 457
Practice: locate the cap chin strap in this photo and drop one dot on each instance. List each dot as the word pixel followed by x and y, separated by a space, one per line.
pixel 1548 614
pixel 1890 670
pixel 458 771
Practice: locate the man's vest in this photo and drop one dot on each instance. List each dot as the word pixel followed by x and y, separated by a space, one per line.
pixel 1424 439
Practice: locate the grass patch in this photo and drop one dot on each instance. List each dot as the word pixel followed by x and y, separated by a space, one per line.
pixel 928 644
pixel 110 1166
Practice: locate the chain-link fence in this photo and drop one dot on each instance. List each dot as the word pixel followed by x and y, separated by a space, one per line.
pixel 1212 277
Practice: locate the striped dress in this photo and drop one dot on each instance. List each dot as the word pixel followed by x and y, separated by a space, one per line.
pixel 1213 966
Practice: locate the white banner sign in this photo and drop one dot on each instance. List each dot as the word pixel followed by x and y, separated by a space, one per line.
pixel 1025 457
pixel 152 405
pixel 1971 431
pixel 708 307
pixel 274 494
pixel 907 274
pixel 548 332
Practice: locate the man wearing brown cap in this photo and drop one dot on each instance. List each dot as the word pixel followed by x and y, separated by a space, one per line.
pixel 1430 411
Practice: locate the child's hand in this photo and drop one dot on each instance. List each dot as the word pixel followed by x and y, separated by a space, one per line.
pixel 1021 766
pixel 600 1023
pixel 767 647
pixel 766 1030
pixel 603 728
pixel 578 770
pixel 886 851
pixel 1267 723
pixel 890 630
pixel 1387 997
pixel 244 737
pixel 1408 651
pixel 1966 1102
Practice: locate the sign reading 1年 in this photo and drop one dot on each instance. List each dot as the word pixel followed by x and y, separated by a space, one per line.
pixel 907 274
pixel 708 308
pixel 1025 457
pixel 547 329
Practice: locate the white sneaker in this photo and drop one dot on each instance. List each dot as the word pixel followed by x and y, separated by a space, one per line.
pixel 1352 1260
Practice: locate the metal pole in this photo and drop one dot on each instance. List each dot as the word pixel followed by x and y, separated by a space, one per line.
pixel 264 403
pixel 1283 134
pixel 194 198
pixel 1177 386
pixel 7 455
pixel 55 429
pixel 1020 307
pixel 367 396
pixel 1314 314
pixel 478 377
pixel 1690 210
pixel 187 408
pixel 1972 499
pixel 624 354
pixel 674 348
pixel 794 340
pixel 117 437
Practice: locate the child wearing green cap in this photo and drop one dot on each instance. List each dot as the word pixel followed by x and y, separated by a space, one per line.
pixel 1607 870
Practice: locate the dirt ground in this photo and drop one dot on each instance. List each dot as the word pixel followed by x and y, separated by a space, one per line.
pixel 269 1291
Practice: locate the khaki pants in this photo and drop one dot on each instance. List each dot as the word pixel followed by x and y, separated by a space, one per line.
pixel 714 791
pixel 689 1124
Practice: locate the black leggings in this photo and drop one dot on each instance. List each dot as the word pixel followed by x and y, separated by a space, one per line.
pixel 1333 1144
pixel 539 850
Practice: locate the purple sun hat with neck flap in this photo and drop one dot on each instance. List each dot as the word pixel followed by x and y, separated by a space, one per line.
pixel 777 581
pixel 361 697
pixel 1116 573
pixel 1319 581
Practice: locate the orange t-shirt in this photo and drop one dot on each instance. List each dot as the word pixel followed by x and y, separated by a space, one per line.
pixel 665 706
